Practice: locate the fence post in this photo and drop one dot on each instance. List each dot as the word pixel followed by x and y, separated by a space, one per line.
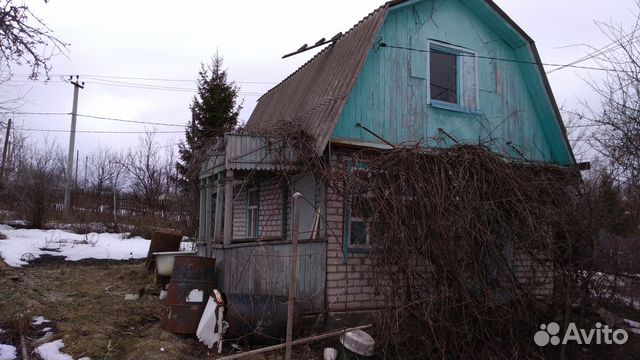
pixel 293 271
pixel 115 211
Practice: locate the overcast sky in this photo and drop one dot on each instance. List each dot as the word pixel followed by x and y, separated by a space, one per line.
pixel 113 42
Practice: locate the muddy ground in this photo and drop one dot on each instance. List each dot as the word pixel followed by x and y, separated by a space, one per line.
pixel 85 302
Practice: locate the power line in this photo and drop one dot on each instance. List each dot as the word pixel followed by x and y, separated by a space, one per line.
pixel 150 78
pixel 156 87
pixel 134 85
pixel 600 51
pixel 385 45
pixel 130 121
pixel 99 131
pixel 140 86
pixel 95 117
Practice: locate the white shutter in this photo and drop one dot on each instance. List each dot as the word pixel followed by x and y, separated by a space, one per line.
pixel 469 80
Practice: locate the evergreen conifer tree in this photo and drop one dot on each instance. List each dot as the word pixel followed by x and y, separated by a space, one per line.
pixel 214 111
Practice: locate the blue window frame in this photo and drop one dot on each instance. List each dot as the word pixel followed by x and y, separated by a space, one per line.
pixel 356 231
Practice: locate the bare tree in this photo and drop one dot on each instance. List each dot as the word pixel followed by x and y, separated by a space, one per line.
pixel 25 39
pixel 169 161
pixel 104 176
pixel 617 134
pixel 36 182
pixel 105 170
pixel 146 170
pixel 98 170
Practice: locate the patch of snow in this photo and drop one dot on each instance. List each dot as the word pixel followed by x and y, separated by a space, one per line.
pixel 46 329
pixel 2 331
pixel 72 246
pixel 5 227
pixel 196 295
pixel 8 352
pixel 187 245
pixel 39 320
pixel 51 351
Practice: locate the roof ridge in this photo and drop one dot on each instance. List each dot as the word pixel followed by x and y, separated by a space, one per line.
pixel 325 49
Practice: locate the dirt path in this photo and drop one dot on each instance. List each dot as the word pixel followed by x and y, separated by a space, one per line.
pixel 85 302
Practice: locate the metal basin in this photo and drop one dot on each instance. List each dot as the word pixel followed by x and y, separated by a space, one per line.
pixel 164 260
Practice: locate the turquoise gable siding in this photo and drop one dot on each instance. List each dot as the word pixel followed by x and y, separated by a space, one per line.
pixel 512 104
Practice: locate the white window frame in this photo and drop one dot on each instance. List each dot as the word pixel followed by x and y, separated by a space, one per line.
pixel 462 104
pixel 367 244
pixel 253 229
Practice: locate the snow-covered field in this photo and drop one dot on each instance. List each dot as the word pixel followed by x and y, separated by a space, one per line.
pixel 23 245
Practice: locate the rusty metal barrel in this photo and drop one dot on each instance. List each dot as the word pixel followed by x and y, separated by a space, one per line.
pixel 260 318
pixel 162 240
pixel 192 280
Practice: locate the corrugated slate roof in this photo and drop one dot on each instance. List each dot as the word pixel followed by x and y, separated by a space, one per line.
pixel 313 97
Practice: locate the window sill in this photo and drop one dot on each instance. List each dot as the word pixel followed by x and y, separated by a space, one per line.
pixel 453 107
pixel 360 250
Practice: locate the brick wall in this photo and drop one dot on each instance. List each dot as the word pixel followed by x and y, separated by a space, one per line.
pixel 349 286
pixel 269 209
pixel 535 274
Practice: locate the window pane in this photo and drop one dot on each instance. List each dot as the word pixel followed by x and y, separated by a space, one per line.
pixel 444 81
pixel 358 234
pixel 252 222
pixel 253 197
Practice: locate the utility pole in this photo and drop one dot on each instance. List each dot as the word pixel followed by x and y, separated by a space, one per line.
pixel 77 163
pixel 4 151
pixel 72 140
pixel 86 160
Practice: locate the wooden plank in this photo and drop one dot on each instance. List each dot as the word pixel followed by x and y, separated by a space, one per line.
pixel 305 276
pixel 295 342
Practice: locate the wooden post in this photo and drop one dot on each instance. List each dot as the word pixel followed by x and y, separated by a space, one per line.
pixel 202 218
pixel 209 208
pixel 217 226
pixel 228 207
pixel 292 273
pixel 115 210
pixel 5 151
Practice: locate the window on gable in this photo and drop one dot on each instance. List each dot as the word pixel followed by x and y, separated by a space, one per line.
pixel 452 77
pixel 444 76
pixel 253 200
